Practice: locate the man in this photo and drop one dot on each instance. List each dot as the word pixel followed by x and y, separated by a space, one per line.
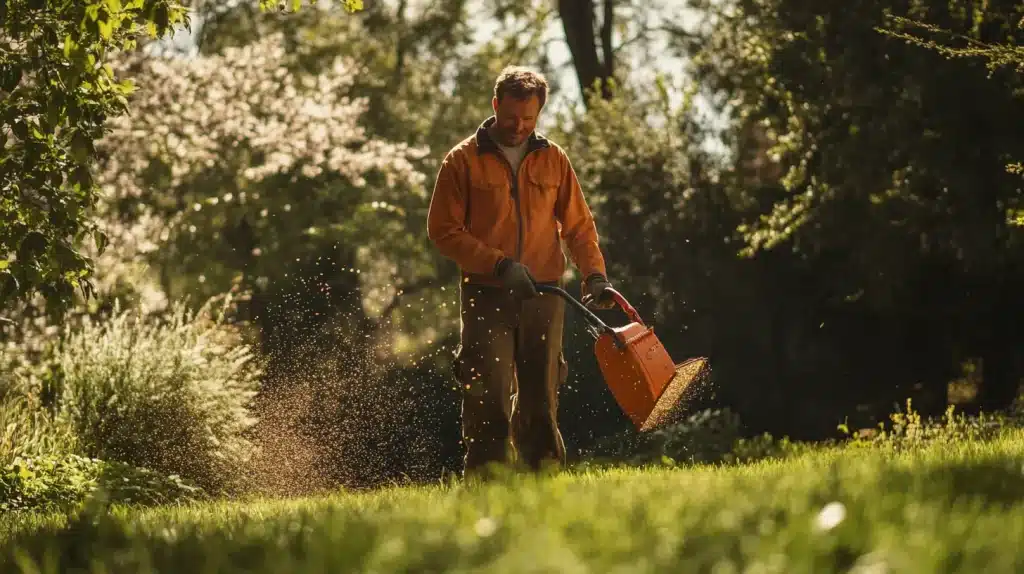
pixel 504 199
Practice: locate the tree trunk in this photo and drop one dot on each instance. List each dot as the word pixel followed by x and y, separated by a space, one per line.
pixel 592 58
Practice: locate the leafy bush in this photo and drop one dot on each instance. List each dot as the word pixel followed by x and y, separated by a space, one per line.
pixel 66 481
pixel 765 446
pixel 169 395
pixel 707 436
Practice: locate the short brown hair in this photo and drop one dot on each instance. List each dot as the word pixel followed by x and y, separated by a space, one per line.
pixel 520 83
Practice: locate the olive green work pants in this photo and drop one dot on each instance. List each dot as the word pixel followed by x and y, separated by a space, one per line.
pixel 510 366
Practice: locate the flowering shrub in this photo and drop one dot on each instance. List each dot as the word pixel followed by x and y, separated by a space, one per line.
pixel 194 113
pixel 242 161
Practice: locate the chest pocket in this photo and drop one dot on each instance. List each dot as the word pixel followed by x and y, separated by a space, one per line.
pixel 488 198
pixel 542 190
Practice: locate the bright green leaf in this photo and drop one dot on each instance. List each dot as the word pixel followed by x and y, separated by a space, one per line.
pixel 106 30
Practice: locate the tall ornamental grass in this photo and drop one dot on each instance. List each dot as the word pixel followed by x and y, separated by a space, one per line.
pixel 170 394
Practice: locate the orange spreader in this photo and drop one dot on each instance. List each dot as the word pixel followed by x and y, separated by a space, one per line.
pixel 644 380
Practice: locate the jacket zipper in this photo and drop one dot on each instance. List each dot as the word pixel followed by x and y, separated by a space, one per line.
pixel 519 210
pixel 515 198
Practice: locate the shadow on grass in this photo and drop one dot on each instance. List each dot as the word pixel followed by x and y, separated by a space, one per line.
pixel 990 481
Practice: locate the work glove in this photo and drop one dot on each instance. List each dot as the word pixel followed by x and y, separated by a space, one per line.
pixel 596 294
pixel 516 277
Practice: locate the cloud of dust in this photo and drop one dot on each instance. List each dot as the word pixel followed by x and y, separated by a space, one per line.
pixel 335 412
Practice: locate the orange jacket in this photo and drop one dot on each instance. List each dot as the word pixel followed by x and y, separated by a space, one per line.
pixel 480 213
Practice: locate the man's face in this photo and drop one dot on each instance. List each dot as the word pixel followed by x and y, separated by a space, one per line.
pixel 516 119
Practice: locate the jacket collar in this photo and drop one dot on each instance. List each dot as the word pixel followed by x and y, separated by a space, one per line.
pixel 484 142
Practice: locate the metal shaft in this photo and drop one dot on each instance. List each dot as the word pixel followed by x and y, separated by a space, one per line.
pixel 591 318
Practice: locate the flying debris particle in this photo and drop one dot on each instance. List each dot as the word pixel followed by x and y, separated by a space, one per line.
pixel 831 515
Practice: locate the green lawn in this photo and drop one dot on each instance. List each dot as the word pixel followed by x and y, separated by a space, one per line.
pixel 946 508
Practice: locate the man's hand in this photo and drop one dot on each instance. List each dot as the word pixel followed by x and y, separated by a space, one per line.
pixel 515 276
pixel 595 292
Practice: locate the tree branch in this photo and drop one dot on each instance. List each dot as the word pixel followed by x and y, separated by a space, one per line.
pixel 643 33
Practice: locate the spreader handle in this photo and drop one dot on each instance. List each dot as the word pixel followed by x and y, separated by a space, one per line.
pixel 591 317
pixel 625 306
pixel 594 320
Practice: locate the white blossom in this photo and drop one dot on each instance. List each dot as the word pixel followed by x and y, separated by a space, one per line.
pixel 217 111
pixel 188 112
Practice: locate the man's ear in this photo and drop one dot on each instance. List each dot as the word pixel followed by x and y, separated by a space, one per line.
pixel 494 104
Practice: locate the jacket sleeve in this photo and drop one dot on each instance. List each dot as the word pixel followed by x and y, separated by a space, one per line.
pixel 578 227
pixel 446 217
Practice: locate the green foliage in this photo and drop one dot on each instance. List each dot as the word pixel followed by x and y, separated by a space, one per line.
pixel 64 482
pixel 996 54
pixel 28 430
pixel 56 93
pixel 171 395
pixel 765 446
pixel 908 429
pixel 860 128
